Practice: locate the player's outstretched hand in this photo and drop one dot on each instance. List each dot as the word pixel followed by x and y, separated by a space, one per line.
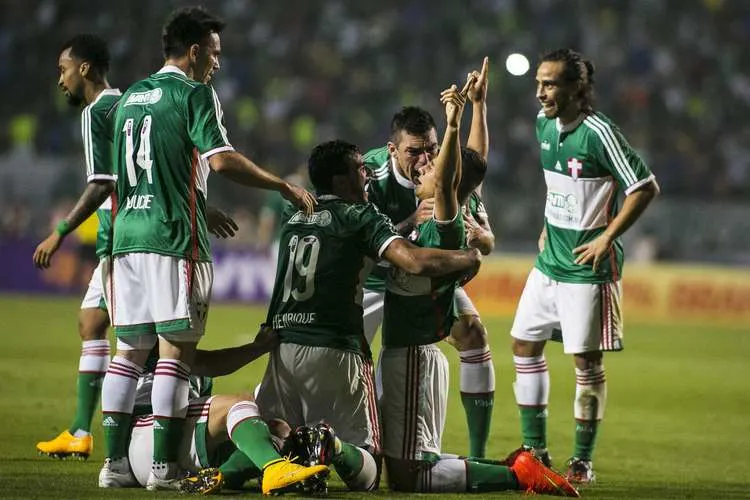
pixel 300 197
pixel 477 92
pixel 220 224
pixel 46 249
pixel 593 251
pixel 454 101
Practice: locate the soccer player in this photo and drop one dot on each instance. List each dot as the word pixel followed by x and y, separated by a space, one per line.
pixel 168 133
pixel 83 64
pixel 419 312
pixel 224 441
pixel 575 284
pixel 412 148
pixel 322 370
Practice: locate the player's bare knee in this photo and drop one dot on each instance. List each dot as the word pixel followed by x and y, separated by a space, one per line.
pixel 469 333
pixel 526 348
pixel 588 360
pixel 402 474
pixel 92 324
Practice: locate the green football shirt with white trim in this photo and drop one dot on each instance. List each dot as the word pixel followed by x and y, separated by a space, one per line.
pixel 166 128
pixel 322 264
pixel 96 132
pixel 587 164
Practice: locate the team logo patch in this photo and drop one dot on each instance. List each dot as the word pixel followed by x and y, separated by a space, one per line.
pixel 575 166
pixel 322 219
pixel 546 145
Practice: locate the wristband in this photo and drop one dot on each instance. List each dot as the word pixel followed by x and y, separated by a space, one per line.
pixel 62 228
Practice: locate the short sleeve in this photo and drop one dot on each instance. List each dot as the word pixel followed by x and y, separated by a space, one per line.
pixel 206 122
pixel 96 129
pixel 376 230
pixel 614 154
pixel 450 234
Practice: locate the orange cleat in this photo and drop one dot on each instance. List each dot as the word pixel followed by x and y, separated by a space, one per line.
pixel 534 477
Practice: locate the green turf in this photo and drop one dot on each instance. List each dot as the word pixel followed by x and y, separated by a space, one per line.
pixel 676 425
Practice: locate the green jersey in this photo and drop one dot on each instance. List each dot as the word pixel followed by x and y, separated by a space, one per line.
pixel 419 310
pixel 96 130
pixel 323 261
pixel 587 164
pixel 166 128
pixel 393 194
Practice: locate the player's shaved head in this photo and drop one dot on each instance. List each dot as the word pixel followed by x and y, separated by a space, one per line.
pixel 89 48
pixel 328 160
pixel 412 120
pixel 186 27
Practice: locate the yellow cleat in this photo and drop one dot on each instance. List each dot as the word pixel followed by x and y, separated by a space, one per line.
pixel 67 445
pixel 282 475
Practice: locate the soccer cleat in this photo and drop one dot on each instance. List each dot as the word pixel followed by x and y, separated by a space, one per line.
pixel 541 453
pixel 299 445
pixel 67 445
pixel 205 482
pixel 322 445
pixel 164 476
pixel 580 471
pixel 283 475
pixel 116 474
pixel 534 477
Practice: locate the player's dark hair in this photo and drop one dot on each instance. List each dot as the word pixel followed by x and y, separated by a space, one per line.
pixel 185 27
pixel 473 170
pixel 413 121
pixel 327 160
pixel 91 49
pixel 576 69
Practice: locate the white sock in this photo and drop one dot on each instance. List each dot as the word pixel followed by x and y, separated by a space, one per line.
pixel 239 412
pixel 118 388
pixel 591 394
pixel 477 373
pixel 169 394
pixel 446 476
pixel 532 381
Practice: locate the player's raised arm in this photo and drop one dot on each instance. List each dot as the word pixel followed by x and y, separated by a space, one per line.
pixel 479 137
pixel 448 163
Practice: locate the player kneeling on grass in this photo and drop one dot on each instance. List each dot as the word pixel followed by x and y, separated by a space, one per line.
pixel 414 371
pixel 222 431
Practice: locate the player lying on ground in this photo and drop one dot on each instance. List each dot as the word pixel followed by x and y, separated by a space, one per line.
pixel 220 431
pixel 394 168
pixel 322 370
pixel 419 312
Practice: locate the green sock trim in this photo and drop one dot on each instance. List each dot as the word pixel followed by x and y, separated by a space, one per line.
pixel 237 469
pixel 168 434
pixel 534 425
pixel 87 400
pixel 116 434
pixel 585 439
pixel 253 438
pixel 349 462
pixel 486 477
pixel 478 409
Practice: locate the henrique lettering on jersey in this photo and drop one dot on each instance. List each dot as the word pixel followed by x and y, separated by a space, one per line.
pixel 287 320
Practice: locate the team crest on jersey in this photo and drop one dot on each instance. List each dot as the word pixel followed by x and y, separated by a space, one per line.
pixel 546 145
pixel 575 167
pixel 143 98
pixel 322 219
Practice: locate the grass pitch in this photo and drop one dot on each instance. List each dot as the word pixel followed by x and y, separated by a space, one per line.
pixel 677 423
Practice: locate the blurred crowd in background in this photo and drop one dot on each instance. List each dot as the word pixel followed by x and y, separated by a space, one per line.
pixel 672 74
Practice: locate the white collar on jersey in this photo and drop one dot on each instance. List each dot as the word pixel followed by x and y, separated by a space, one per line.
pixel 400 178
pixel 326 197
pixel 569 126
pixel 170 68
pixel 105 92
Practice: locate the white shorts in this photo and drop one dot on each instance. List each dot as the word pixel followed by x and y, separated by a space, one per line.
pixel 463 304
pixel 588 315
pixel 94 298
pixel 414 402
pixel 305 385
pixel 157 294
pixel 372 312
pixel 193 454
